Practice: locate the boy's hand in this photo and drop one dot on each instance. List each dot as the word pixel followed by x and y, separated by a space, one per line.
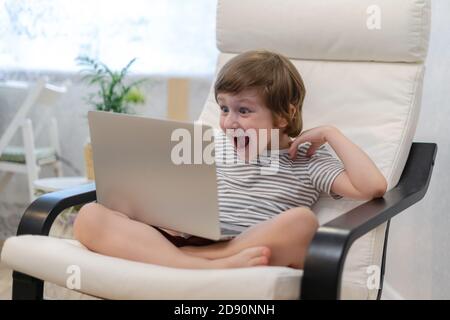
pixel 317 136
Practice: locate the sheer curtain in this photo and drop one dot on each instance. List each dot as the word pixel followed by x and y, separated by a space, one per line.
pixel 169 37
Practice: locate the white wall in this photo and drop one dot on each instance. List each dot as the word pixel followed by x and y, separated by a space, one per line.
pixel 418 256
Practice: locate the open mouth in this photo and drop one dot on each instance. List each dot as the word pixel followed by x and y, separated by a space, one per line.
pixel 241 142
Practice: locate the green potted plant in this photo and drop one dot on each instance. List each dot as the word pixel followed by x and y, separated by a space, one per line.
pixel 113 94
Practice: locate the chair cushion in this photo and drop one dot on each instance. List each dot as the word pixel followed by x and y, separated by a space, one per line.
pixel 17 154
pixel 50 259
pixel 327 30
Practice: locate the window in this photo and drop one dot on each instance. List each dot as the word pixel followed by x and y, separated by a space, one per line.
pixel 167 36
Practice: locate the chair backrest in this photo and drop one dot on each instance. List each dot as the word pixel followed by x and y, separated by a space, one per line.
pixel 362 62
pixel 40 93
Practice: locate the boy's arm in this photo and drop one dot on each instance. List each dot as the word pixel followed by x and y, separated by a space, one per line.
pixel 361 179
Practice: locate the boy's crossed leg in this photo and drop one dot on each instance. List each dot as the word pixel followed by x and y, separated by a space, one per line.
pixel 112 233
pixel 287 236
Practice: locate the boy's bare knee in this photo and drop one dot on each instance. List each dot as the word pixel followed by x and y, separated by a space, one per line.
pixel 304 224
pixel 88 222
pixel 303 216
pixel 310 218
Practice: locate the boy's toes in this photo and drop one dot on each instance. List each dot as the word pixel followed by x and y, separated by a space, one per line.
pixel 255 256
pixel 258 256
pixel 266 252
pixel 259 261
pixel 256 252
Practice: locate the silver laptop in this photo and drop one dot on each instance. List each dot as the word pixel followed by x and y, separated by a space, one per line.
pixel 135 175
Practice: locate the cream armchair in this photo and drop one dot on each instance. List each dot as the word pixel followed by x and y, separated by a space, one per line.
pixel 363 64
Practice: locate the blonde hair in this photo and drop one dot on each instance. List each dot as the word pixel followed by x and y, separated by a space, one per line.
pixel 274 77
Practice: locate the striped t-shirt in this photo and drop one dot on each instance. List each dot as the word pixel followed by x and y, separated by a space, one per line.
pixel 247 194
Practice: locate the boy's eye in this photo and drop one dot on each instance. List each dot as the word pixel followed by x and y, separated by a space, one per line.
pixel 244 110
pixel 224 109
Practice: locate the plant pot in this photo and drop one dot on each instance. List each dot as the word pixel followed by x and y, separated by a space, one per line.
pixel 88 161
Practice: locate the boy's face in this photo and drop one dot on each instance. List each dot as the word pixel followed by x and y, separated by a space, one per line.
pixel 241 112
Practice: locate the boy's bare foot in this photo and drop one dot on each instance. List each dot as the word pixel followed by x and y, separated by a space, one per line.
pixel 213 251
pixel 250 257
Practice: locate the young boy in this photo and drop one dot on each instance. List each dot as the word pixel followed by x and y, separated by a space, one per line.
pixel 255 90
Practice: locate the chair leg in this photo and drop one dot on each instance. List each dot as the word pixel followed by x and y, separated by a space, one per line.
pixel 5 179
pixel 54 138
pixel 30 157
pixel 57 168
pixel 26 287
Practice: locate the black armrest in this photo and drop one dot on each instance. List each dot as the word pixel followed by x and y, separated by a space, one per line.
pixel 41 213
pixel 328 250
